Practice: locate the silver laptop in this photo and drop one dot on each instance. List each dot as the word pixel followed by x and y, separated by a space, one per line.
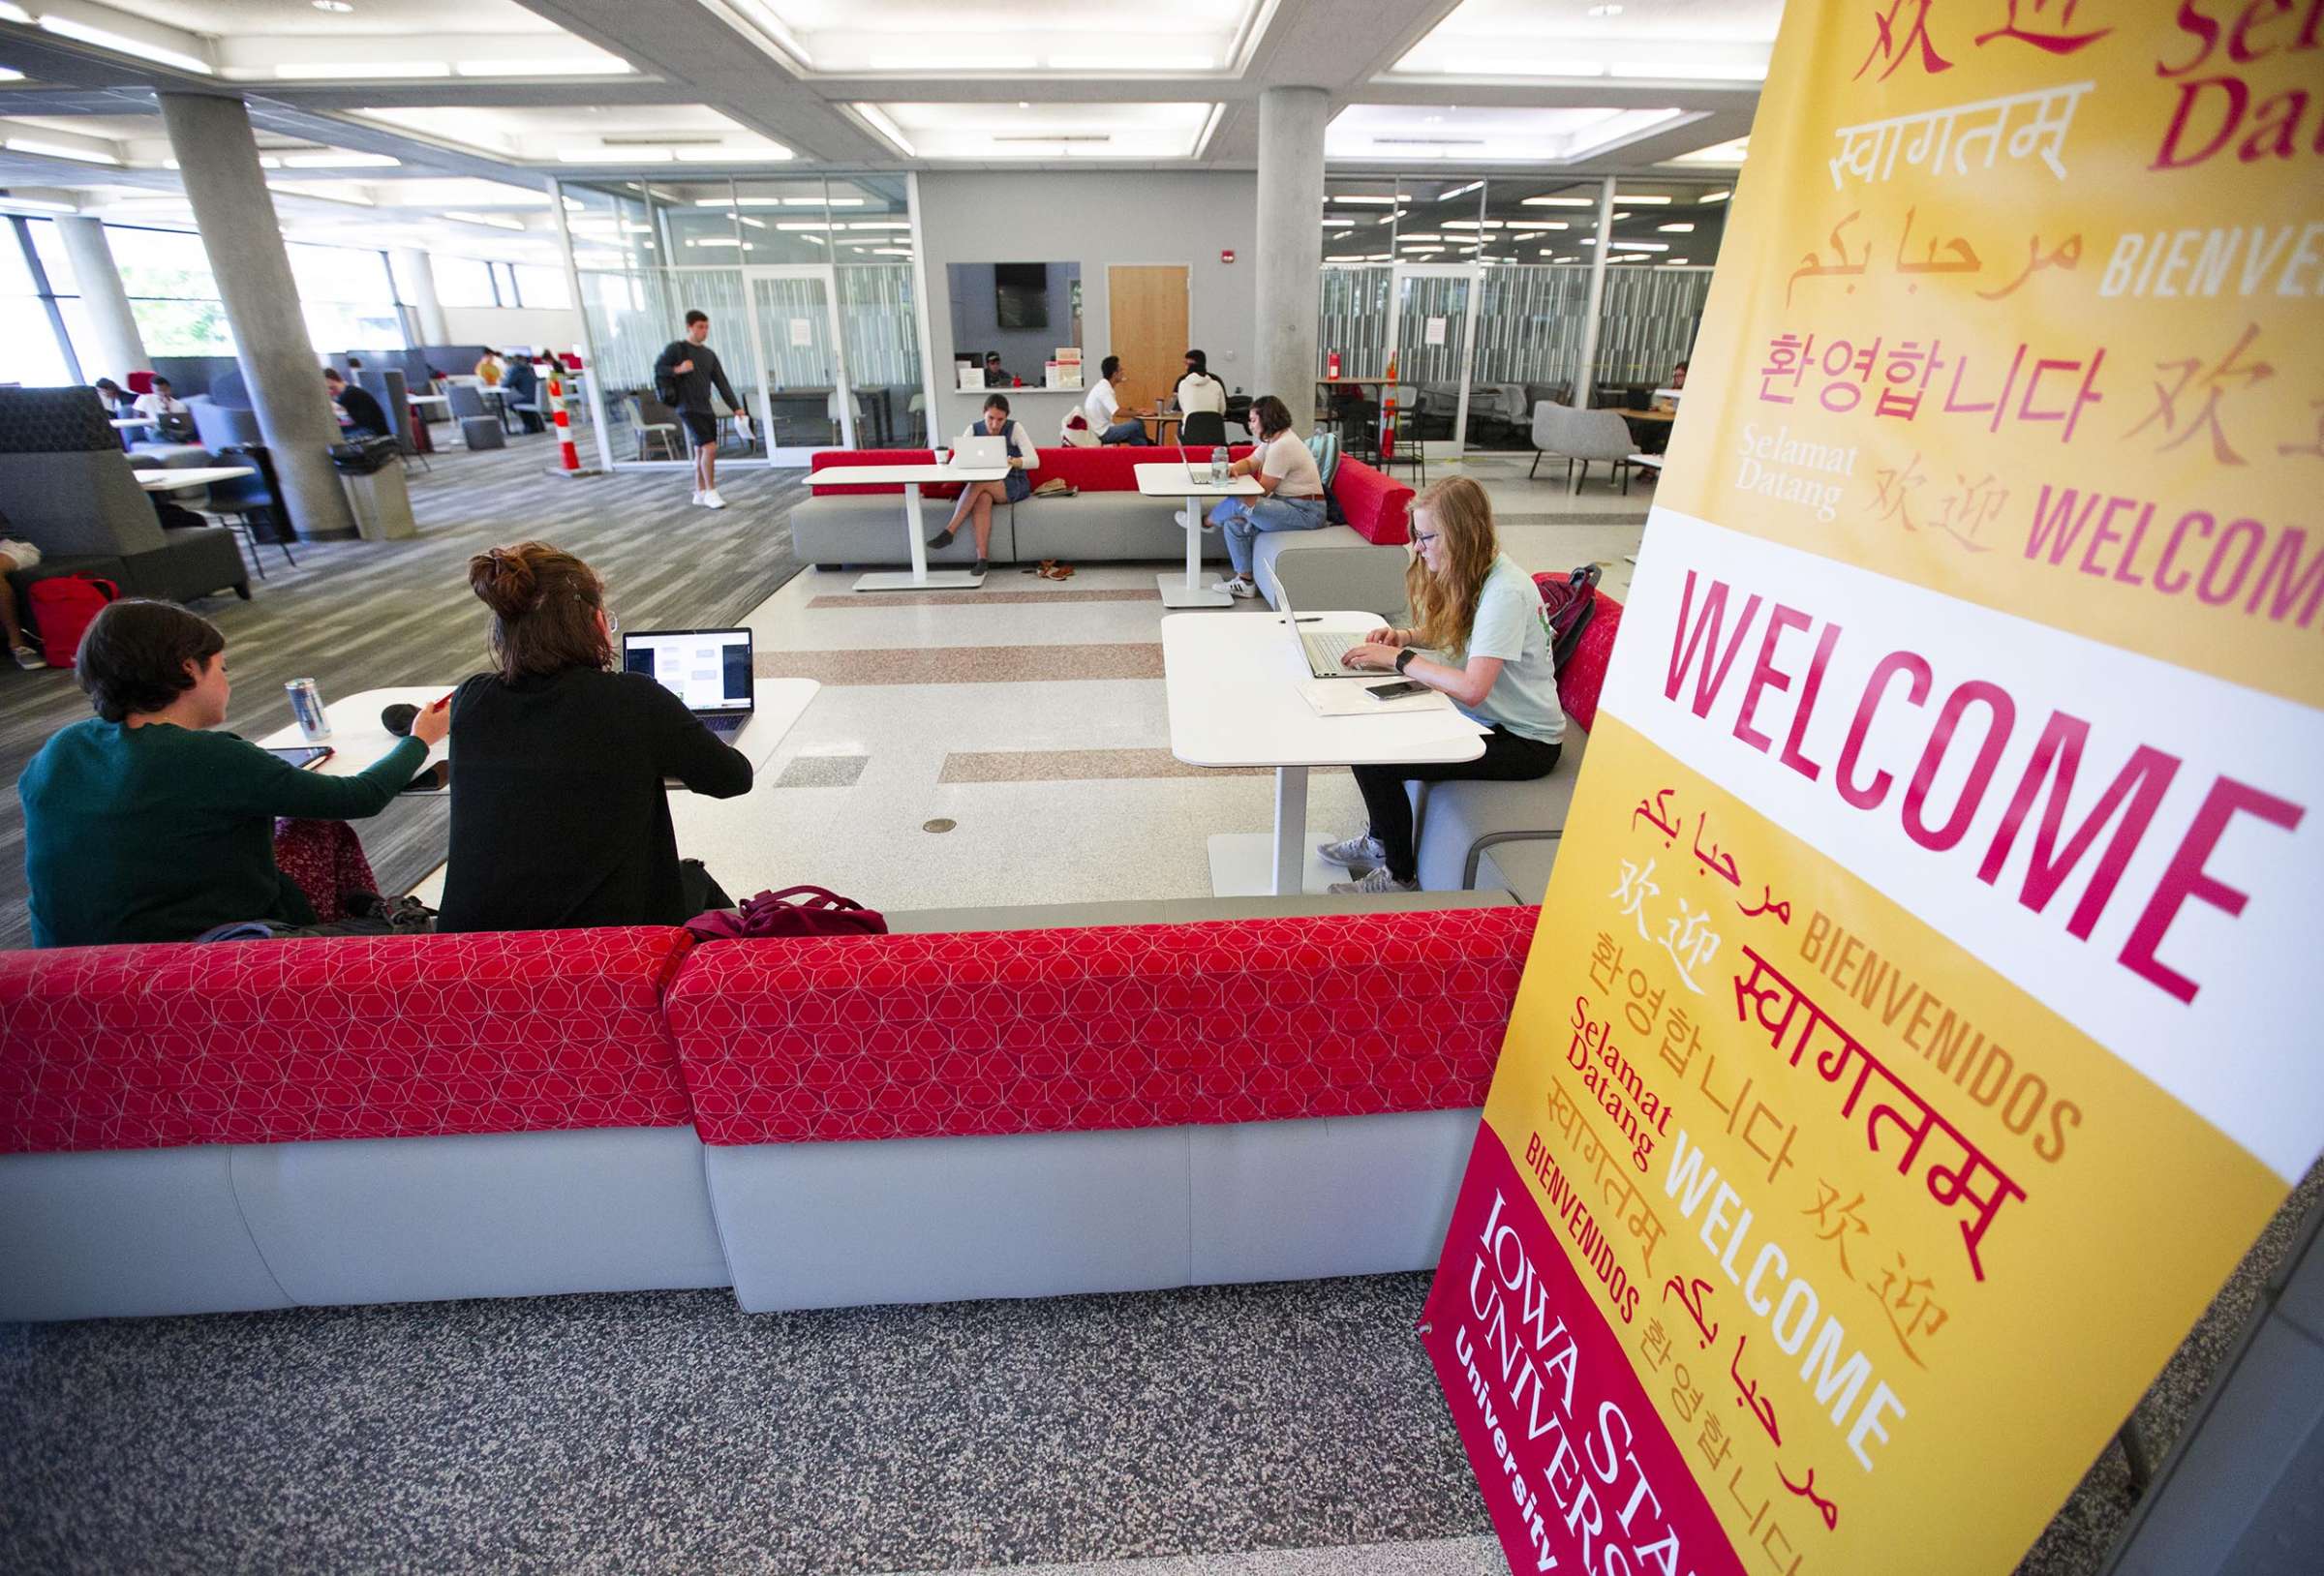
pixel 708 669
pixel 1323 650
pixel 983 449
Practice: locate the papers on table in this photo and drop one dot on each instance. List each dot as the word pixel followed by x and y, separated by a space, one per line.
pixel 1349 698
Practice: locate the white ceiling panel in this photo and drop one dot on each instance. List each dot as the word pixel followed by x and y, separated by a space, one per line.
pixel 1029 129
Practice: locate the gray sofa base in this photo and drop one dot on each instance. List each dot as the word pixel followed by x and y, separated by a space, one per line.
pixel 227 1227
pixel 1459 823
pixel 1039 1215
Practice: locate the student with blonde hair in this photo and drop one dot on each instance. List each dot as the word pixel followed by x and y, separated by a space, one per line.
pixel 1478 635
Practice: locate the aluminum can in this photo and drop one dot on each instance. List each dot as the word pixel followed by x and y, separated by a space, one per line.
pixel 306 704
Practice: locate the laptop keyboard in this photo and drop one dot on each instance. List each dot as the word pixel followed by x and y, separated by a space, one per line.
pixel 1328 652
pixel 726 727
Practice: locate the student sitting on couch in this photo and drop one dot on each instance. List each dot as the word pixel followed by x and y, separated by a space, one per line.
pixel 145 823
pixel 1287 476
pixel 1477 635
pixel 980 495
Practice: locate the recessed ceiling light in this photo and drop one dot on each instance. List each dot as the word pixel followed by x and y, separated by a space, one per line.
pixel 59 150
pixel 337 6
pixel 1716 196
pixel 334 70
pixel 121 44
pixel 1595 11
pixel 1022 105
pixel 1676 229
pixel 1559 203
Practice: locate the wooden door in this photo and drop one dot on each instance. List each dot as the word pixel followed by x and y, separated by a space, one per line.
pixel 1145 318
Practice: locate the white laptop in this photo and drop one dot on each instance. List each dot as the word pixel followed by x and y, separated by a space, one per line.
pixel 708 669
pixel 1323 651
pixel 983 449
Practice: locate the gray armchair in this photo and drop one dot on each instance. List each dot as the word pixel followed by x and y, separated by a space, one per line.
pixel 1578 437
pixel 224 426
pixel 67 487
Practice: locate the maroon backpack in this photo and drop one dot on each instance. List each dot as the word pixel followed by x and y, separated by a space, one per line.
pixel 1569 602
pixel 818 912
pixel 63 607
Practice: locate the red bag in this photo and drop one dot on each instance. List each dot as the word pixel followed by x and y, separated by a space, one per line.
pixel 63 607
pixel 818 912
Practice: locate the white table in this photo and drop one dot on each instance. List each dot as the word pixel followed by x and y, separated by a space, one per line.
pixel 357 740
pixel 159 479
pixel 1233 689
pixel 444 400
pixel 913 478
pixel 123 424
pixel 1174 479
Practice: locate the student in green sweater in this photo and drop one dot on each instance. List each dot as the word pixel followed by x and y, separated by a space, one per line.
pixel 143 824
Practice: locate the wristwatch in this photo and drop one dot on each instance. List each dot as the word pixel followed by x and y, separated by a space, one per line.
pixel 1404 656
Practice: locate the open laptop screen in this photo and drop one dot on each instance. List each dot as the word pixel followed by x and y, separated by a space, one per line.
pixel 708 669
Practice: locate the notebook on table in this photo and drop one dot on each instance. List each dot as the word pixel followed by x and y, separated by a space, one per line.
pixel 708 669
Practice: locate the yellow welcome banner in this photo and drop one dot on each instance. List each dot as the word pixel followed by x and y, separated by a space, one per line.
pixel 1909 1047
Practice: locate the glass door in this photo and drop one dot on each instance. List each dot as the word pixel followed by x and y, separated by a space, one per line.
pixel 805 401
pixel 1431 330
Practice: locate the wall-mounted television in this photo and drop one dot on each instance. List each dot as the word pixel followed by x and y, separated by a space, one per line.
pixel 1020 294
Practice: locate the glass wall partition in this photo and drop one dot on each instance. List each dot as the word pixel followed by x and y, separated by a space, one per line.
pixel 816 318
pixel 1408 258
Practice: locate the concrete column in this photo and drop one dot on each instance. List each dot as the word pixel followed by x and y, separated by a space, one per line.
pixel 217 162
pixel 1598 254
pixel 116 348
pixel 418 277
pixel 1288 276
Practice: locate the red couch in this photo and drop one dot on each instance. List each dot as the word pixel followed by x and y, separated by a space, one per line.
pixel 1378 507
pixel 913 1118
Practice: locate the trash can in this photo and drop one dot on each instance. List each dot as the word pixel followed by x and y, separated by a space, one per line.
pixel 371 472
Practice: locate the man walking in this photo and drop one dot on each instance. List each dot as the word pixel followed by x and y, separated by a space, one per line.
pixel 684 377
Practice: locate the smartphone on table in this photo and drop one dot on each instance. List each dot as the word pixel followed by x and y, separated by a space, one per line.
pixel 1404 690
pixel 301 756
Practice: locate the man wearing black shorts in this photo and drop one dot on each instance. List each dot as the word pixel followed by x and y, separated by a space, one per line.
pixel 689 368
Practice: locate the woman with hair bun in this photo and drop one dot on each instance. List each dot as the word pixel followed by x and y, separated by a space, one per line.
pixel 559 819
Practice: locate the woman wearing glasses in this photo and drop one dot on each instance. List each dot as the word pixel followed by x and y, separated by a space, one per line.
pixel 1478 636
pixel 559 819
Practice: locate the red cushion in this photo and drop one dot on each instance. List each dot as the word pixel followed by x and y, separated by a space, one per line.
pixel 1583 675
pixel 1113 468
pixel 1377 505
pixel 136 1048
pixel 140 383
pixel 1118 1026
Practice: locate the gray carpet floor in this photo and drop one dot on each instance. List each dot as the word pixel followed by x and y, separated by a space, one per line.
pixel 358 615
pixel 670 1432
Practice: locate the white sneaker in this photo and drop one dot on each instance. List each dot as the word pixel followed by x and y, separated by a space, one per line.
pixel 711 500
pixel 1363 853
pixel 29 657
pixel 1237 587
pixel 698 495
pixel 1378 881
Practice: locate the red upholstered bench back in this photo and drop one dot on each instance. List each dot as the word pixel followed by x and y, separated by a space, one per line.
pixel 134 1048
pixel 1124 1026
pixel 1377 505
pixel 1112 468
pixel 1583 675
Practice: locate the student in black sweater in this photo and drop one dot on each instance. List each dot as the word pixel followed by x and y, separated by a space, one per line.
pixel 559 819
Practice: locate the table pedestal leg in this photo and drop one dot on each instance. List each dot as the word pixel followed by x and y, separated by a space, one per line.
pixel 921 577
pixel 1191 591
pixel 1291 829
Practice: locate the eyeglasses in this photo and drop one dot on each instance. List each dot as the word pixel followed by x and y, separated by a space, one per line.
pixel 1424 540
